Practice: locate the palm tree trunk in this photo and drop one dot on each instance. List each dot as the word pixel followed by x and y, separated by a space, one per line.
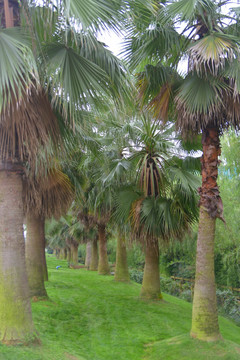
pixel 121 269
pixel 43 252
pixel 35 246
pixel 103 266
pixel 62 254
pixel 45 269
pixel 151 277
pixel 68 254
pixel 205 317
pixel 16 324
pixel 88 254
pixel 94 257
pixel 74 253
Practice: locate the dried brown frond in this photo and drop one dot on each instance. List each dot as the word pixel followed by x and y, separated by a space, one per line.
pixel 25 125
pixel 135 216
pixel 223 115
pixel 159 106
pixel 49 195
pixel 142 86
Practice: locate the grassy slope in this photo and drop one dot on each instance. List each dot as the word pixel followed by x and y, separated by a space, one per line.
pixel 90 317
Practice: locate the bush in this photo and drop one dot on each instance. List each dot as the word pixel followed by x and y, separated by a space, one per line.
pixel 186 295
pixel 170 286
pixel 111 250
pixel 180 269
pixel 136 275
pixel 136 258
pixel 228 305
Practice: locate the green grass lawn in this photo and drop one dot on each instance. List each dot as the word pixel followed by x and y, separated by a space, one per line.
pixel 91 317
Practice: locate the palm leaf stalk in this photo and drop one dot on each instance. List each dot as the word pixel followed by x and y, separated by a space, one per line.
pixel 204 101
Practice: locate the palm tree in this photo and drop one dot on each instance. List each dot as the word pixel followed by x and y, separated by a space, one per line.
pixel 45 196
pixel 116 171
pixel 37 65
pixel 121 269
pixel 163 205
pixel 205 101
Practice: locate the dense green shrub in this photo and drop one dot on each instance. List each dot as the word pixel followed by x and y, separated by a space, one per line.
pixel 228 305
pixel 111 249
pixel 186 295
pixel 81 253
pixel 136 258
pixel 136 275
pixel 170 286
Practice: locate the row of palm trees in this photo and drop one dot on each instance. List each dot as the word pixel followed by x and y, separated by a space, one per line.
pixel 125 192
pixel 56 76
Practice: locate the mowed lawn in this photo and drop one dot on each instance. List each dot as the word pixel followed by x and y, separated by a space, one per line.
pixel 91 317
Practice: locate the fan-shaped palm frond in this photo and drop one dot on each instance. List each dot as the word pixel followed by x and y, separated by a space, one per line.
pixel 18 70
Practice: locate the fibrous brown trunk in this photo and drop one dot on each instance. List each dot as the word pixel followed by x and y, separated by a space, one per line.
pixel 151 277
pixel 205 317
pixel 68 254
pixel 16 324
pixel 88 254
pixel 103 266
pixel 121 268
pixel 62 254
pixel 94 257
pixel 74 252
pixel 35 254
pixel 43 252
pixel 45 269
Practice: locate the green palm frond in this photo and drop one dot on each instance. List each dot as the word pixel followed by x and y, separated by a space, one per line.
pixel 96 13
pixel 186 9
pixel 200 102
pixel 124 199
pixel 231 71
pixel 118 77
pixel 18 70
pixel 41 22
pixel 151 45
pixel 118 167
pixel 186 180
pixel 75 80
